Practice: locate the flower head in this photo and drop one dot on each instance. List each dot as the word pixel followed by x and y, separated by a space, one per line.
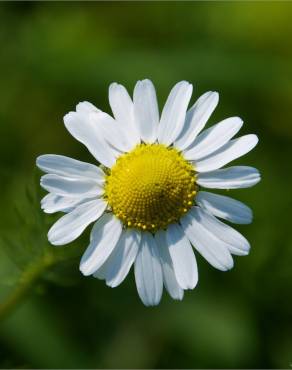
pixel 146 196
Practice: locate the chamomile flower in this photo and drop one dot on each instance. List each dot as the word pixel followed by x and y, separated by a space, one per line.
pixel 145 194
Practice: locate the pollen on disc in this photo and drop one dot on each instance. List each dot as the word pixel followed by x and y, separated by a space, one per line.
pixel 150 187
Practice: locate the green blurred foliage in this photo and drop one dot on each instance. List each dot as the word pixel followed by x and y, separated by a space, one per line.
pixel 54 55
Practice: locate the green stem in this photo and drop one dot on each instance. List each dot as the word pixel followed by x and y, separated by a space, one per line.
pixel 29 276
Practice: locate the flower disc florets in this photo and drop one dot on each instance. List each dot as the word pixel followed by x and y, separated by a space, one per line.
pixel 150 187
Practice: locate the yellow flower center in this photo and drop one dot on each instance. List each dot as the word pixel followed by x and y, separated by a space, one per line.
pixel 150 187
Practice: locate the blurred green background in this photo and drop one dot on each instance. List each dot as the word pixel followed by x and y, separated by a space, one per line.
pixel 54 55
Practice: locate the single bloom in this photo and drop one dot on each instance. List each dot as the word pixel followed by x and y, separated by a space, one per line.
pixel 146 196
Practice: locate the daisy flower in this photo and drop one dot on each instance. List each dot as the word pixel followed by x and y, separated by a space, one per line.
pixel 146 196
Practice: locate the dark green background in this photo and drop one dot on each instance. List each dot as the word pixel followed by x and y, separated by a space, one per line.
pixel 54 55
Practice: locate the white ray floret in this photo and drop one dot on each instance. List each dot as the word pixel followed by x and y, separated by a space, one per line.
pixel 196 119
pixel 104 236
pixel 169 278
pixel 213 138
pixel 148 271
pixel 174 113
pixel 182 256
pixel 118 265
pixel 235 177
pixel 146 111
pixel 230 151
pixel 70 226
pixel 225 207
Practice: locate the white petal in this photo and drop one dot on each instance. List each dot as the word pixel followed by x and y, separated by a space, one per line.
pixel 72 187
pixel 230 151
pixel 70 226
pixel 214 138
pixel 100 273
pixel 84 129
pixel 122 258
pixel 113 132
pixel 169 279
pixel 182 256
pixel 103 239
pixel 68 167
pixel 174 113
pixel 229 178
pixel 120 102
pixel 235 242
pixel 148 272
pixel 146 110
pixel 86 107
pixel 213 249
pixel 52 203
pixel 197 118
pixel 225 207
pixel 123 110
